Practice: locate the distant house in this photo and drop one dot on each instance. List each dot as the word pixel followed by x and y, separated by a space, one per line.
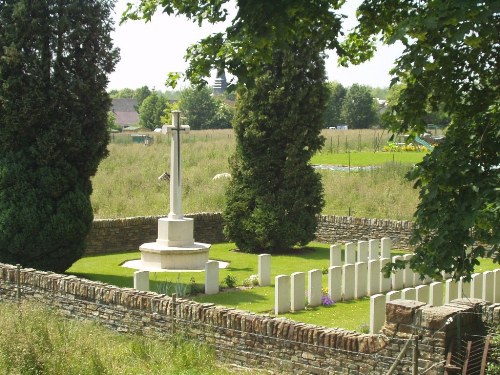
pixel 125 112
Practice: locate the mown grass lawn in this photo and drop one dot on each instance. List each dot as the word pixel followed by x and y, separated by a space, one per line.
pixel 349 315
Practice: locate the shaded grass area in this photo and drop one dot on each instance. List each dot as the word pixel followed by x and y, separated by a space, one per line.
pixel 349 315
pixel 35 340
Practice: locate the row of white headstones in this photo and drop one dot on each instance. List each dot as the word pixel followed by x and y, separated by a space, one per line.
pixel 359 275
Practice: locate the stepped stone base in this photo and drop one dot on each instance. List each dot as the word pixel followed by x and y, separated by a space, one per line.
pixel 191 257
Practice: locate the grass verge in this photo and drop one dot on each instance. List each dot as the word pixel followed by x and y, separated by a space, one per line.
pixel 35 340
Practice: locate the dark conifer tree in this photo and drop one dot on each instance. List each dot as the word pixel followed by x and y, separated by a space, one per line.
pixel 54 62
pixel 275 194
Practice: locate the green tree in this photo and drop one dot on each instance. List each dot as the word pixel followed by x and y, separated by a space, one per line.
pixel 152 110
pixel 358 108
pixel 275 194
pixel 140 94
pixel 204 111
pixel 333 112
pixel 275 49
pixel 54 62
pixel 199 107
pixel 451 61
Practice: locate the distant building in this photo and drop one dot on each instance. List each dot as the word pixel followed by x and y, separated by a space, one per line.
pixel 220 84
pixel 125 110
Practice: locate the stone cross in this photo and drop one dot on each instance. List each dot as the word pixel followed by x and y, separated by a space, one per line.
pixel 175 164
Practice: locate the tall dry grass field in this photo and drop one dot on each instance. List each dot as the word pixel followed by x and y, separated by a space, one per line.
pixel 127 184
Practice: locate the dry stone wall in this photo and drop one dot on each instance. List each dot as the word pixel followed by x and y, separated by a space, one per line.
pixel 244 338
pixel 127 234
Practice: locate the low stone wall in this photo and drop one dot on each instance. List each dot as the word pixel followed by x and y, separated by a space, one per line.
pixel 127 234
pixel 244 338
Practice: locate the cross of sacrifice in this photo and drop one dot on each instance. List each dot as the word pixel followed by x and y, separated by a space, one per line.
pixel 175 165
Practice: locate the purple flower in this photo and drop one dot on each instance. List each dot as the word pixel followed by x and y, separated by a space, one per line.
pixel 326 300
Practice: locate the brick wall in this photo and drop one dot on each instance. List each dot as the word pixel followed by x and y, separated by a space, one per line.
pixel 245 338
pixel 127 234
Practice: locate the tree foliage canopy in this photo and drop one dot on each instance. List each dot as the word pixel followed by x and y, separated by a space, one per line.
pixel 451 61
pixel 275 49
pixel 54 62
pixel 358 107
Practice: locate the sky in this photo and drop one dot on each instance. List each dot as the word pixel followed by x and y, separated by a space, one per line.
pixel 149 51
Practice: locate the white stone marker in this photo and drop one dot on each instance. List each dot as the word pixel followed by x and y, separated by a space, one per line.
pixel 422 293
pixel 298 293
pixel 385 247
pixel 496 295
pixel 436 293
pixel 141 280
pixel 409 294
pixel 373 249
pixel 397 277
pixel 477 286
pixel 264 269
pixel 348 282
pixel 335 256
pixel 489 286
pixel 314 291
pixel 335 283
pixel 362 251
pixel 281 294
pixel 361 277
pixel 373 277
pixel 392 295
pixel 212 277
pixel 464 289
pixel 408 272
pixel 350 253
pixel 377 312
pixel 385 282
pixel 451 290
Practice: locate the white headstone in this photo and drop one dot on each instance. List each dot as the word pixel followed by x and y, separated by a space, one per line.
pixel 212 277
pixel 392 295
pixel 489 286
pixel 385 247
pixel 348 282
pixel 408 272
pixel 464 290
pixel 377 312
pixel 373 249
pixel 422 293
pixel 397 276
pixel 335 283
pixel 409 294
pixel 436 293
pixel 281 294
pixel 350 253
pixel 335 255
pixel 385 282
pixel 451 290
pixel 264 269
pixel 314 291
pixel 496 295
pixel 141 280
pixel 298 293
pixel 362 251
pixel 477 286
pixel 361 277
pixel 373 277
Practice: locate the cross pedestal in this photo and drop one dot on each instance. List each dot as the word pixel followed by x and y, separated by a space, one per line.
pixel 175 247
